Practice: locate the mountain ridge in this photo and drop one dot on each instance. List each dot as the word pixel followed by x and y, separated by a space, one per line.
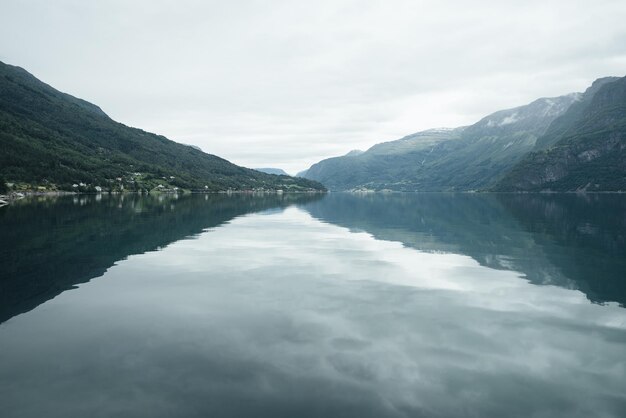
pixel 54 141
pixel 272 170
pixel 470 157
pixel 588 147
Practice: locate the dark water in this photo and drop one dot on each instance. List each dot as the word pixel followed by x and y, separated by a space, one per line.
pixel 398 305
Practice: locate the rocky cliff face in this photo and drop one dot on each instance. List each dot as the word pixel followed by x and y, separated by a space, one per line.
pixel 588 151
pixel 561 125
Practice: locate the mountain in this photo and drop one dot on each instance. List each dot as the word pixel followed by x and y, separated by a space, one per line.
pixel 584 149
pixel 397 165
pixel 352 153
pixel 194 147
pixel 465 158
pixel 56 141
pixel 561 124
pixel 276 171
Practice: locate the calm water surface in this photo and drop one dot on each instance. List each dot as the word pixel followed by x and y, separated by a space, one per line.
pixel 399 305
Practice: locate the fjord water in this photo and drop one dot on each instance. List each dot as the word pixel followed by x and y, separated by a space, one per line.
pixel 381 305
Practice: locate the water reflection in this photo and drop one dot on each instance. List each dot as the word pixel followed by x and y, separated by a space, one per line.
pixel 51 244
pixel 278 313
pixel 573 241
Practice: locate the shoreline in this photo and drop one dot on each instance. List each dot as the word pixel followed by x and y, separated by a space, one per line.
pixel 13 196
pixel 6 199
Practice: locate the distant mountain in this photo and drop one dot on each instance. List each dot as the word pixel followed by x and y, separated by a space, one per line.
pixel 276 171
pixel 584 149
pixel 397 165
pixel 352 153
pixel 466 158
pixel 53 140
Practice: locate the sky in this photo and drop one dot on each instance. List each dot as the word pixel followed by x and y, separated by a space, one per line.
pixel 288 83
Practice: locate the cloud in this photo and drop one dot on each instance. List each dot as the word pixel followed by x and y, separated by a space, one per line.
pixel 287 83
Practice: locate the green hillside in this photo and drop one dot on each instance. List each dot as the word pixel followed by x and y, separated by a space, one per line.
pixel 585 150
pixel 396 165
pixel 466 158
pixel 51 140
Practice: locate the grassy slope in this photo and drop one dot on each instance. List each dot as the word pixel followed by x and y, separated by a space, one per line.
pixel 468 158
pixel 393 165
pixel 48 137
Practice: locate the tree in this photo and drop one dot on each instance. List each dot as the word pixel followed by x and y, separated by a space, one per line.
pixel 3 185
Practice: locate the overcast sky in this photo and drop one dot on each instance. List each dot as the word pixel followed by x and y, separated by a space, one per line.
pixel 287 83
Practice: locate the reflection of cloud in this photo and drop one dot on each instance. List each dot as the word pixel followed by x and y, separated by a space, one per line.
pixel 283 315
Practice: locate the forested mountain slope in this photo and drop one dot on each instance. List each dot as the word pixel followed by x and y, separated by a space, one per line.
pixel 55 141
pixel 465 158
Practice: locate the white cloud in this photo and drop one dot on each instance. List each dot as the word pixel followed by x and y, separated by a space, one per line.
pixel 287 83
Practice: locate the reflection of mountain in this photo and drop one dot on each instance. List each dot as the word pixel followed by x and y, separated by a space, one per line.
pixel 566 240
pixel 50 245
pixel 584 235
